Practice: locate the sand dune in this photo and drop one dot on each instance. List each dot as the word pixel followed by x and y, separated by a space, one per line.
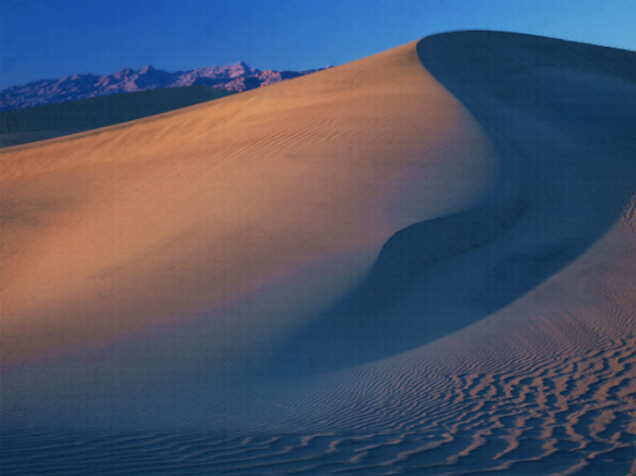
pixel 382 268
pixel 220 228
pixel 558 114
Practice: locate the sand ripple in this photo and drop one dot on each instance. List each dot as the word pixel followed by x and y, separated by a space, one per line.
pixel 570 415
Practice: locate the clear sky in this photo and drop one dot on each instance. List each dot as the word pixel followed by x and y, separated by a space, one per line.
pixel 53 38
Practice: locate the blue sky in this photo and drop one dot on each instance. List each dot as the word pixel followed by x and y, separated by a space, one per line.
pixel 53 38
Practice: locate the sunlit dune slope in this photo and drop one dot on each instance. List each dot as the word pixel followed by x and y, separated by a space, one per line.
pixel 248 213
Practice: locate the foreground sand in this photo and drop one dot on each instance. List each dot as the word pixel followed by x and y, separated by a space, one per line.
pixel 237 241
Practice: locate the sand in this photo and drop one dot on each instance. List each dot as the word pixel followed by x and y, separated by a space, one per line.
pixel 238 218
pixel 420 262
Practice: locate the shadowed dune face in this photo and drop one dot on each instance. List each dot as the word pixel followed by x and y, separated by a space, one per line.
pixel 555 284
pixel 182 244
pixel 561 117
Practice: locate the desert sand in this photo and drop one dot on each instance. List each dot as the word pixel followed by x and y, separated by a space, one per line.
pixel 421 262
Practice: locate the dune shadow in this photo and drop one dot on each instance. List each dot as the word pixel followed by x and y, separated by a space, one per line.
pixel 560 115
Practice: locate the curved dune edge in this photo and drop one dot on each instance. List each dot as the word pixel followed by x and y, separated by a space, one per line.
pixel 155 254
pixel 546 383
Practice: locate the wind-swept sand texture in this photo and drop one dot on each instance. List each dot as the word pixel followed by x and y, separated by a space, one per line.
pixel 495 331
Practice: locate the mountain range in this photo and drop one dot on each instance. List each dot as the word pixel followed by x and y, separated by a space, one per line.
pixel 234 77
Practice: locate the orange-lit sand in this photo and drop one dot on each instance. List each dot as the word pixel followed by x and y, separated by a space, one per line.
pixel 263 206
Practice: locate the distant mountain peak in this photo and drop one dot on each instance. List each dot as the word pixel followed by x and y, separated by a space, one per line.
pixel 235 77
pixel 147 69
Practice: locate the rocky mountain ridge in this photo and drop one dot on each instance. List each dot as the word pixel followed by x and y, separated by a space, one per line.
pixel 236 77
